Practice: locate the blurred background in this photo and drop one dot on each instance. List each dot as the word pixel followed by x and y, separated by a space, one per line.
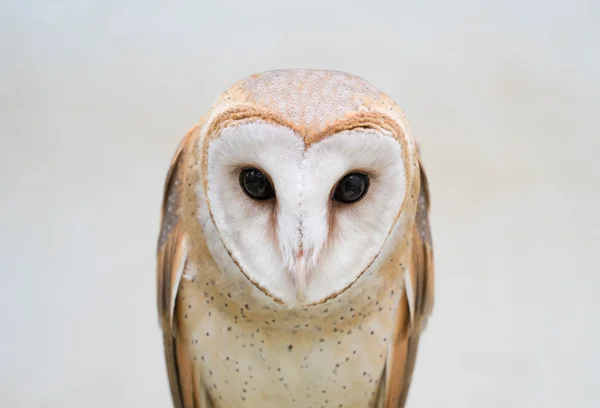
pixel 503 97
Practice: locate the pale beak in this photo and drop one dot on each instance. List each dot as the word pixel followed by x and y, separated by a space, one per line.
pixel 300 275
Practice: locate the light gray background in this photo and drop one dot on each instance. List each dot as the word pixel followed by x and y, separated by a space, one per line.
pixel 95 96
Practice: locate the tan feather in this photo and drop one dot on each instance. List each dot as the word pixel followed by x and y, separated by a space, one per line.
pixel 416 305
pixel 186 390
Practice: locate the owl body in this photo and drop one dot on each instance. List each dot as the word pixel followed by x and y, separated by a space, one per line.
pixel 294 261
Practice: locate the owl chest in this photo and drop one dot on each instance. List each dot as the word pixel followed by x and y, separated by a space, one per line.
pixel 273 361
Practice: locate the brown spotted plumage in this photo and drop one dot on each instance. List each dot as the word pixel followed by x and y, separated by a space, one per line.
pixel 232 337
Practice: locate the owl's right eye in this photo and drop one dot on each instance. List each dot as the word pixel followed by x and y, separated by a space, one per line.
pixel 256 184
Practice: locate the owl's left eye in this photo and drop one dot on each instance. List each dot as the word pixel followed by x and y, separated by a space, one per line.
pixel 351 188
pixel 256 184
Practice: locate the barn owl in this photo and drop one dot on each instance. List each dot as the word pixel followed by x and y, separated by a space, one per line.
pixel 295 263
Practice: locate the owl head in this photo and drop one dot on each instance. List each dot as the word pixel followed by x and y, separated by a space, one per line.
pixel 305 174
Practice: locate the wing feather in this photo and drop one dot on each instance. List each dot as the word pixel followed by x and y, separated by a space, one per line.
pixel 172 254
pixel 416 305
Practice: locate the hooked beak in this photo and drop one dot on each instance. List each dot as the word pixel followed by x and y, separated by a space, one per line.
pixel 300 275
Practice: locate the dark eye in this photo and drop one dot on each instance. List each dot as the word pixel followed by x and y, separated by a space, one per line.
pixel 256 184
pixel 351 188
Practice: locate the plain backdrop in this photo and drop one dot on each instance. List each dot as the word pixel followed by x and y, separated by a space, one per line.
pixel 503 97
